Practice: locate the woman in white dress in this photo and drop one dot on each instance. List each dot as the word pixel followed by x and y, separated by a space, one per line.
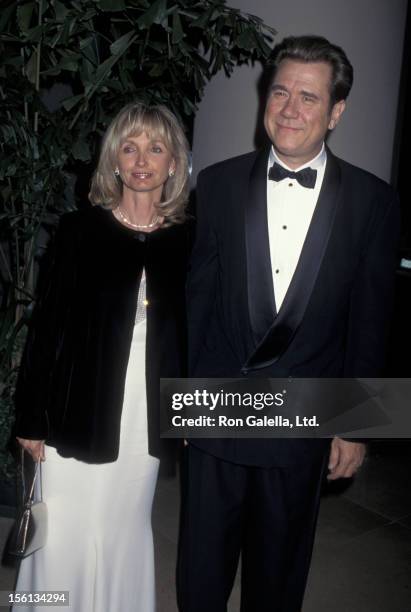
pixel 109 322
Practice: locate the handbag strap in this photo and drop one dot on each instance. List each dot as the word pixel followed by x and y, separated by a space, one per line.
pixel 29 498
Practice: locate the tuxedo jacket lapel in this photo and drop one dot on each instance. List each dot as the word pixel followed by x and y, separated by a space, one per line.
pixel 261 303
pixel 279 334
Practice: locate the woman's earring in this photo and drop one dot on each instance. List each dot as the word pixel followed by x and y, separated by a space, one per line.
pixel 117 172
pixel 171 172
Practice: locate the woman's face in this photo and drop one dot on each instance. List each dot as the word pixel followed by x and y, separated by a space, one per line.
pixel 144 165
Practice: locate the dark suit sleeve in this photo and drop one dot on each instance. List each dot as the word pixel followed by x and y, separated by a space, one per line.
pixel 372 295
pixel 202 275
pixel 46 333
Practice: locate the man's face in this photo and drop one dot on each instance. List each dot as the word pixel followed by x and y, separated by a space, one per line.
pixel 298 112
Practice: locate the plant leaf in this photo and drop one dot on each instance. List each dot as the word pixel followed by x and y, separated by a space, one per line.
pixel 30 68
pixel 157 70
pixel 112 5
pixel 61 10
pixel 178 32
pixel 5 15
pixel 105 67
pixel 69 62
pixel 245 40
pixel 72 102
pixel 155 14
pixel 81 150
pixel 120 45
pixel 34 35
pixel 24 14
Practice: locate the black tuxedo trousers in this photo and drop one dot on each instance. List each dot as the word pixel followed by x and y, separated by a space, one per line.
pixel 268 515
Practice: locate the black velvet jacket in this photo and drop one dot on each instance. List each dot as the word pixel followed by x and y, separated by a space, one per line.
pixel 71 382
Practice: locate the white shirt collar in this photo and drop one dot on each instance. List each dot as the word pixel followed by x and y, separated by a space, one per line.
pixel 317 163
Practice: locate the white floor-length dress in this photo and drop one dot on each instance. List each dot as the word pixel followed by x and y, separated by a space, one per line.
pixel 100 543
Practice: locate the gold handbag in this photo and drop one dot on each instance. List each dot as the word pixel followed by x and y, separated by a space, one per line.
pixel 30 529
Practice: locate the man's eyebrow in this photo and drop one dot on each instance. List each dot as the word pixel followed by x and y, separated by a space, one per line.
pixel 309 94
pixel 303 92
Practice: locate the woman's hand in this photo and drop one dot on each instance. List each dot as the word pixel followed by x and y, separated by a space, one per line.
pixel 34 447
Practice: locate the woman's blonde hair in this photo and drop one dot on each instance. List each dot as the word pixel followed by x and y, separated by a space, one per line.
pixel 159 124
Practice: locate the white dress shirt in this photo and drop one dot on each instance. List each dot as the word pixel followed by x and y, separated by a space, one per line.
pixel 290 207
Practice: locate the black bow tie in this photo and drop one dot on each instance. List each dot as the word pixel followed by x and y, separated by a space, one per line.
pixel 306 177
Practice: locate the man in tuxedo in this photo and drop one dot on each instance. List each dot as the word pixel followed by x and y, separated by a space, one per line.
pixel 292 275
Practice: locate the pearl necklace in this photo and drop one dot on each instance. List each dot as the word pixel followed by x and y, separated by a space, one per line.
pixel 126 220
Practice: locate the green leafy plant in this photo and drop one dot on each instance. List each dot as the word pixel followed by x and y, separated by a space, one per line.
pixel 66 68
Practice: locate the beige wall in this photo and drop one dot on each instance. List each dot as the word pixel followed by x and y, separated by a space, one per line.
pixel 370 31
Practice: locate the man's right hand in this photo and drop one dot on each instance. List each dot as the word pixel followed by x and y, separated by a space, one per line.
pixel 34 447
